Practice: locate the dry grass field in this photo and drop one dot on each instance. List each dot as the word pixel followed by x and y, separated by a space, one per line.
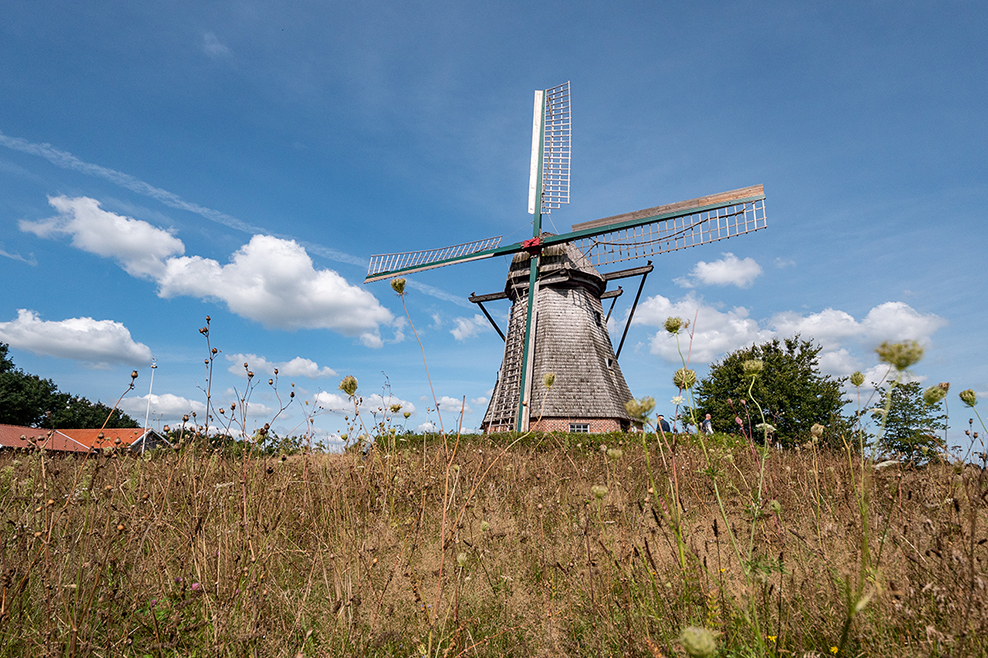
pixel 553 545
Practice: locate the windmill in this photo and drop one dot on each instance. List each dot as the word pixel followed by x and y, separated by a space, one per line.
pixel 556 322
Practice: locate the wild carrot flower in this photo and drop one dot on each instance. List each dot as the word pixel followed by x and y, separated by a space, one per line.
pixel 673 325
pixel 679 399
pixel 900 355
pixel 549 379
pixel 398 285
pixel 857 379
pixel 969 397
pixel 598 491
pixel 698 642
pixel 684 378
pixel 349 385
pixel 934 394
pixel 752 367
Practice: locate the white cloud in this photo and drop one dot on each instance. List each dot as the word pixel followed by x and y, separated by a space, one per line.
pixel 715 332
pixel 454 405
pixel 99 342
pixel 847 343
pixel 272 281
pixel 427 426
pixel 269 280
pixel 480 401
pixel 6 254
pixel 297 367
pixel 211 46
pixel 369 404
pixel 139 247
pixel 168 407
pixel 729 270
pixel 467 327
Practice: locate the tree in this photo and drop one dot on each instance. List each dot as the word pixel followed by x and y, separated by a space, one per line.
pixel 27 399
pixel 792 393
pixel 912 426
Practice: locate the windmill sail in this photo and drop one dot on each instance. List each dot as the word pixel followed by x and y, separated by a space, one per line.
pixel 384 266
pixel 671 227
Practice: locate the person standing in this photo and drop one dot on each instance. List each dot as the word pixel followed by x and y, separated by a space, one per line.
pixel 707 426
pixel 664 424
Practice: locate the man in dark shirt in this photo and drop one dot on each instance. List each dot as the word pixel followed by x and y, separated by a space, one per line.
pixel 663 425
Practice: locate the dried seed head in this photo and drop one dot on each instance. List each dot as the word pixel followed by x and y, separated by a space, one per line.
pixel 969 397
pixel 900 355
pixel 250 374
pixel 407 414
pixel 817 430
pixel 684 378
pixel 857 379
pixel 133 374
pixel 398 285
pixel 167 429
pixel 270 382
pixel 349 385
pixel 214 350
pixel 185 418
pixel 276 371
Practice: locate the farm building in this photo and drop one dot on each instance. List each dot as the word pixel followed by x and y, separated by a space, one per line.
pixel 80 441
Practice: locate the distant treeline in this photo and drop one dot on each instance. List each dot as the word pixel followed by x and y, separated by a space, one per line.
pixel 29 400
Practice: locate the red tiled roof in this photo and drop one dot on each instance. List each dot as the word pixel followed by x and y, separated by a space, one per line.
pixel 67 440
pixel 10 436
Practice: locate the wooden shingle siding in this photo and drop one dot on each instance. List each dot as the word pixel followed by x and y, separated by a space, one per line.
pixel 571 341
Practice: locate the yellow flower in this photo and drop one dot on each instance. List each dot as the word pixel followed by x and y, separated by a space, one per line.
pixel 772 637
pixel 833 650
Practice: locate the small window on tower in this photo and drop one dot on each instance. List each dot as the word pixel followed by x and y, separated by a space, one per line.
pixel 609 361
pixel 597 318
pixel 579 428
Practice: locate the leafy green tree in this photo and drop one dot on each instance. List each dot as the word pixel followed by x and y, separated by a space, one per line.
pixel 29 400
pixel 792 392
pixel 912 428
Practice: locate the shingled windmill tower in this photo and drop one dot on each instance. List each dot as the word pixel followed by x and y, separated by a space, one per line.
pixel 557 324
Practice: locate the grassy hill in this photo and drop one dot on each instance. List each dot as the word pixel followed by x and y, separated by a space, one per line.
pixel 551 546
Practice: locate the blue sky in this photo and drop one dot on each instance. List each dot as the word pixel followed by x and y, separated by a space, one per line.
pixel 160 162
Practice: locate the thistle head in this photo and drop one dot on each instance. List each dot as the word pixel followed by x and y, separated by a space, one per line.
pixel 398 285
pixel 349 385
pixel 900 355
pixel 857 379
pixel 684 378
pixel 933 395
pixel 969 397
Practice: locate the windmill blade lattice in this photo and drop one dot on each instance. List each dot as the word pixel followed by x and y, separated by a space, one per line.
pixel 383 266
pixel 633 238
pixel 556 150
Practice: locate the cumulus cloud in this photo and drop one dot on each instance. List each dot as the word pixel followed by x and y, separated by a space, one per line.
pixel 269 280
pixel 446 403
pixel 167 407
pixel 729 270
pixel 846 341
pixel 716 332
pixel 137 246
pixel 467 327
pixel 427 426
pixel 372 404
pixel 297 367
pixel 98 342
